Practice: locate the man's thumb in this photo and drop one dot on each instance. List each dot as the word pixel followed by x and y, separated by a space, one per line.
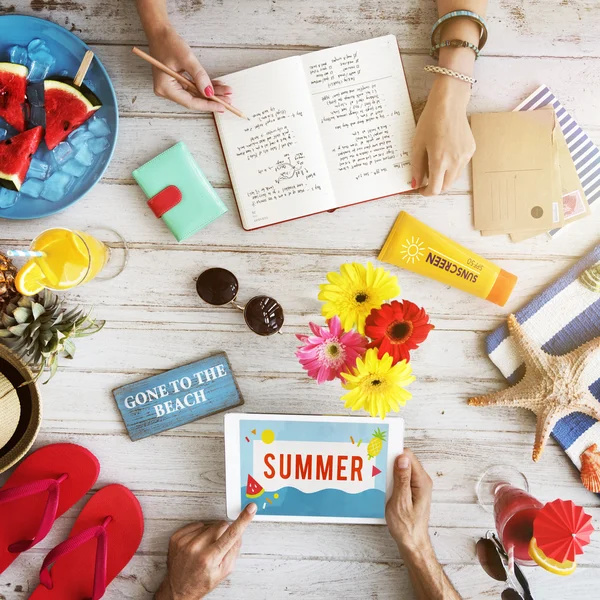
pixel 402 473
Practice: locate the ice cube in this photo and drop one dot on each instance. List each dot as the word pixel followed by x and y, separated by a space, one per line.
pixel 62 153
pixel 84 156
pixel 7 197
pixel 3 134
pixel 80 137
pixel 18 54
pixel 40 60
pixel 56 186
pixel 37 116
pixel 38 168
pixel 34 45
pixel 74 168
pixel 32 187
pixel 98 126
pixel 98 145
pixel 35 93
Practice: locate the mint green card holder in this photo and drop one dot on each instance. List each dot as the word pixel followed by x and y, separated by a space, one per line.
pixel 178 192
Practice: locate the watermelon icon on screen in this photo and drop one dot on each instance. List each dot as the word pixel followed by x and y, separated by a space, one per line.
pixel 253 488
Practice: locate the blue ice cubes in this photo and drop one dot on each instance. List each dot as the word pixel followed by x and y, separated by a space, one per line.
pixel 32 187
pixel 84 156
pixel 38 168
pixel 3 133
pixel 98 145
pixel 40 60
pixel 79 138
pixel 7 198
pixel 56 186
pixel 74 168
pixel 34 45
pixel 98 126
pixel 62 153
pixel 18 54
pixel 35 93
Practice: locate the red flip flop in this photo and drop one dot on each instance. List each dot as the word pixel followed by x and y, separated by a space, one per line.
pixel 45 485
pixel 103 540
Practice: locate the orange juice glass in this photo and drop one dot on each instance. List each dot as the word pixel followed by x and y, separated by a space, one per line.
pixel 68 259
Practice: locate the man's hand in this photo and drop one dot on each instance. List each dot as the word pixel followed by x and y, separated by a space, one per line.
pixel 407 516
pixel 407 512
pixel 201 557
pixel 167 46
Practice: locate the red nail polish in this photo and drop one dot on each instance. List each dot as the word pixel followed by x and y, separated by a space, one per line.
pixel 208 91
pixel 413 183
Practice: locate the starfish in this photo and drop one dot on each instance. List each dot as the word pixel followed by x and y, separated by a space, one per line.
pixel 552 386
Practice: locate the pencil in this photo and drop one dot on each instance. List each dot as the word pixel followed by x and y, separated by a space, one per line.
pixel 188 83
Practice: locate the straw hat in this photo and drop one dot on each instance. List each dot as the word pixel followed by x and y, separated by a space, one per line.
pixel 20 409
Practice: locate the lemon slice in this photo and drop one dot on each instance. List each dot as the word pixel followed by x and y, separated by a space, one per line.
pixel 29 279
pixel 565 568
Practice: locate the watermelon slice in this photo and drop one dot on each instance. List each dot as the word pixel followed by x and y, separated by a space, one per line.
pixel 253 488
pixel 67 107
pixel 13 85
pixel 15 157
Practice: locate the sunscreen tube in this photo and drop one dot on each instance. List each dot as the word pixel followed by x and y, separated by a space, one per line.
pixel 414 246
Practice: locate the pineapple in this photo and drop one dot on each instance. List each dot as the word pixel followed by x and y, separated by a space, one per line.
pixel 8 272
pixel 39 328
pixel 376 443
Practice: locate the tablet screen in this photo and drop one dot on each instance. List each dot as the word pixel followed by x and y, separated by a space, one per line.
pixel 313 468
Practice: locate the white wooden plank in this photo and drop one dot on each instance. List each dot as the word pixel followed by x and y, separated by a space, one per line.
pixel 516 27
pixel 342 232
pixel 193 463
pixel 265 578
pixel 511 78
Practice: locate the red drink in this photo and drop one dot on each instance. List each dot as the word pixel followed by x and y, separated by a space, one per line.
pixel 515 510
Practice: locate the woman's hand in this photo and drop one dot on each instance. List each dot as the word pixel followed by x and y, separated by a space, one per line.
pixel 443 142
pixel 201 557
pixel 167 46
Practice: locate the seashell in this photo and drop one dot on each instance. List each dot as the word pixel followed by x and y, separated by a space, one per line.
pixel 590 469
pixel 590 278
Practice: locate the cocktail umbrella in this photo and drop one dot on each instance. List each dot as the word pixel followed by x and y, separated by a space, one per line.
pixel 561 530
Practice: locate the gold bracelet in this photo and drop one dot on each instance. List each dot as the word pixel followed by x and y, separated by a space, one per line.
pixel 450 73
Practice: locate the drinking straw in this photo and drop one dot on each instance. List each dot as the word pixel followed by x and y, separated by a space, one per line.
pixel 25 253
pixel 511 559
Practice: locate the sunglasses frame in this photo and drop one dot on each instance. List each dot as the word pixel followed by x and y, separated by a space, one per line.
pixel 518 573
pixel 242 307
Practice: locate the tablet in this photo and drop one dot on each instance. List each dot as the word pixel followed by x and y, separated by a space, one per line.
pixel 311 469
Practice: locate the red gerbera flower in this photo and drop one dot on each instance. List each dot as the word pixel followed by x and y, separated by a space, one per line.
pixel 397 328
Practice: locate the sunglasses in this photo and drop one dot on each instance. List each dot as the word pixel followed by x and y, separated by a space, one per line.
pixel 262 314
pixel 494 559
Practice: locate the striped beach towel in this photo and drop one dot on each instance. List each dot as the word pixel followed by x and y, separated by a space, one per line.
pixel 584 152
pixel 564 316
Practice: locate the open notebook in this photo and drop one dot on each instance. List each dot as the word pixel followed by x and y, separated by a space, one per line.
pixel 328 129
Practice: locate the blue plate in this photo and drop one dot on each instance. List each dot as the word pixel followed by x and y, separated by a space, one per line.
pixel 68 51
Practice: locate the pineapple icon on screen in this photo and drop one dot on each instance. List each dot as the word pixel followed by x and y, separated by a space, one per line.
pixel 376 443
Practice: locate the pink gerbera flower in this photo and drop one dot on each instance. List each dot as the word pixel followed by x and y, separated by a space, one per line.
pixel 330 351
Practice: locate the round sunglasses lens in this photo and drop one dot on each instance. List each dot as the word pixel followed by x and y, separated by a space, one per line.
pixel 490 560
pixel 264 315
pixel 217 286
pixel 510 594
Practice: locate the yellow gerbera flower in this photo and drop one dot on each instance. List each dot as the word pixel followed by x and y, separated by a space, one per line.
pixel 355 291
pixel 376 385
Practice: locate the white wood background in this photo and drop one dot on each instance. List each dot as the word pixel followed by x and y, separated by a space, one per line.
pixel 156 321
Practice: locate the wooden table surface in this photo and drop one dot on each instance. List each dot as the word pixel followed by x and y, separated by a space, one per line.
pixel 156 321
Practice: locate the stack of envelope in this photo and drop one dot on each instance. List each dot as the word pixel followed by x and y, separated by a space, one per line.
pixel 525 179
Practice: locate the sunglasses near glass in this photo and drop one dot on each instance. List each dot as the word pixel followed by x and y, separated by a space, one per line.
pixel 262 314
pixel 494 560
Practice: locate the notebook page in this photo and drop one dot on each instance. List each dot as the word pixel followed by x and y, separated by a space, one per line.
pixel 275 159
pixel 365 117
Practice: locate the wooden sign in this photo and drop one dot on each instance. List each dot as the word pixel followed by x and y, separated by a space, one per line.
pixel 178 396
